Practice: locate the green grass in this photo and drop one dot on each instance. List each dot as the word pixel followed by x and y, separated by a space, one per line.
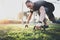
pixel 14 32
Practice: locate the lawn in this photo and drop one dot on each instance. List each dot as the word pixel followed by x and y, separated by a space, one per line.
pixel 19 32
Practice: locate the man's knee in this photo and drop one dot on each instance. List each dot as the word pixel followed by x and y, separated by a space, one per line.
pixel 42 9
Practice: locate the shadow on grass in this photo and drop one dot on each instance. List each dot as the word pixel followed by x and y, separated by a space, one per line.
pixel 8 38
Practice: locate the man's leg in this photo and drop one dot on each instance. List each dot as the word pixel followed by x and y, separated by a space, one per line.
pixel 45 23
pixel 42 17
pixel 52 18
pixel 42 13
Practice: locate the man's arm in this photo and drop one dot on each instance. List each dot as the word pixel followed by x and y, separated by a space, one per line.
pixel 29 17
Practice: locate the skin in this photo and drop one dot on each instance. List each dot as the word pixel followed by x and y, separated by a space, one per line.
pixel 41 10
pixel 30 6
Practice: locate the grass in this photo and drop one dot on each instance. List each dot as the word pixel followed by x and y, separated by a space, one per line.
pixel 18 32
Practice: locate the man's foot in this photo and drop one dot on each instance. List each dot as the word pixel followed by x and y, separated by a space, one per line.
pixel 56 21
pixel 44 27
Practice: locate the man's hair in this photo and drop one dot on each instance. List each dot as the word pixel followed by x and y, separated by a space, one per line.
pixel 28 1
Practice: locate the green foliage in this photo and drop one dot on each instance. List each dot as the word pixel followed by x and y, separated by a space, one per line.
pixel 51 33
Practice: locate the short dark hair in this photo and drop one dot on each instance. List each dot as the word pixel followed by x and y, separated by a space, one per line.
pixel 27 1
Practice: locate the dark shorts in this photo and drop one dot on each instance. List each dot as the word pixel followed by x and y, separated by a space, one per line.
pixel 50 14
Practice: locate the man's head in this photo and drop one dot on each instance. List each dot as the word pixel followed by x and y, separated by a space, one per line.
pixel 29 4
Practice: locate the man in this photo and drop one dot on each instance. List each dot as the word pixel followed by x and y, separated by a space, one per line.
pixel 43 8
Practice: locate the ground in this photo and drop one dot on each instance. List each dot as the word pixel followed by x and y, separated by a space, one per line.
pixel 19 32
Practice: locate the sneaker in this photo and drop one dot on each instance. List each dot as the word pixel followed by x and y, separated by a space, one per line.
pixel 45 26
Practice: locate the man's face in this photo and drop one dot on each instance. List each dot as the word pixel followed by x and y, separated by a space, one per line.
pixel 29 5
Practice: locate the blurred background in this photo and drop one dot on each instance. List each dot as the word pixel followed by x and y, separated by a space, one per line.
pixel 16 9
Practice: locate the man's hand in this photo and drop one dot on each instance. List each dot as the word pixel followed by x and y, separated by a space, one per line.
pixel 27 22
